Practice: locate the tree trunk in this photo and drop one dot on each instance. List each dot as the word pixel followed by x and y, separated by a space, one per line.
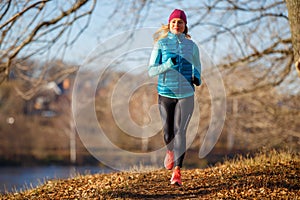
pixel 294 19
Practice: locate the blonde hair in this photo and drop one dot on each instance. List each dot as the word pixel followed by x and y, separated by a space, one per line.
pixel 162 32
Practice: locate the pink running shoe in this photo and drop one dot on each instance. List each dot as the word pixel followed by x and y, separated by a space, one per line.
pixel 169 160
pixel 176 177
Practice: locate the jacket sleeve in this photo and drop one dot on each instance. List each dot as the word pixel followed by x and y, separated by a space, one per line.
pixel 196 63
pixel 156 66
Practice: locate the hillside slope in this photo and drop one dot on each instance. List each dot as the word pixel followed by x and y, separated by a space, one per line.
pixel 266 176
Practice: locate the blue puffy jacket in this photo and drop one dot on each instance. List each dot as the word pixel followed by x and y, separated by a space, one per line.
pixel 175 59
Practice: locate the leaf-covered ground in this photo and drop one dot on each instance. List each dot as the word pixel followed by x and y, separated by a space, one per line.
pixel 266 176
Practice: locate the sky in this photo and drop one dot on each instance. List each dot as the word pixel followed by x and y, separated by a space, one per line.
pixel 102 29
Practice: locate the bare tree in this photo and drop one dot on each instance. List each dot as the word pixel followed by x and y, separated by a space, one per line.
pixel 252 34
pixel 29 28
pixel 294 18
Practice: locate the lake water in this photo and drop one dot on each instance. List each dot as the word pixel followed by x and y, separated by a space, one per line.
pixel 22 178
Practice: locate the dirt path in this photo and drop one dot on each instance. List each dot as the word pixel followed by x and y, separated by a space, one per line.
pixel 260 178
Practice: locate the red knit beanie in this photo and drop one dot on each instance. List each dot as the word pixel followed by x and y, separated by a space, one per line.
pixel 178 14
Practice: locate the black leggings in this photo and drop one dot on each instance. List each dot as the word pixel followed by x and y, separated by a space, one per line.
pixel 176 115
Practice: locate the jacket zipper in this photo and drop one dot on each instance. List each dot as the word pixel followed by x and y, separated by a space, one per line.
pixel 179 64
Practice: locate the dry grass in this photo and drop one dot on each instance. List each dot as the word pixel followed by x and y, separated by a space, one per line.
pixel 270 175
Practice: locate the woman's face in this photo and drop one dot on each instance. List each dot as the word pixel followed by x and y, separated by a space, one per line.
pixel 177 26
